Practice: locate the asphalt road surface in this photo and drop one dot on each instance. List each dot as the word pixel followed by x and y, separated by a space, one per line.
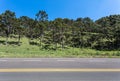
pixel 59 69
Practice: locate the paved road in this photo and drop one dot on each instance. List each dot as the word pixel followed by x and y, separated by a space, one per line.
pixel 56 69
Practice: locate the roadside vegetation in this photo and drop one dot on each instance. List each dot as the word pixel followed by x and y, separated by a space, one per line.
pixel 13 50
pixel 39 37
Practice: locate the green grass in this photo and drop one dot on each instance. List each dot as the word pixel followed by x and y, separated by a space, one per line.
pixel 25 50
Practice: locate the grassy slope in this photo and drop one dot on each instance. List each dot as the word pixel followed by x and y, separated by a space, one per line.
pixel 28 51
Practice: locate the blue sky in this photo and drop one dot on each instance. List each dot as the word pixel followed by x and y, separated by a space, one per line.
pixel 62 8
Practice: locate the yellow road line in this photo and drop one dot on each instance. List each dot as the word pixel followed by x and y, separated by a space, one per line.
pixel 59 70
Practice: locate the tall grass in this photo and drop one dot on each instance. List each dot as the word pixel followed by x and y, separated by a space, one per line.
pixel 25 50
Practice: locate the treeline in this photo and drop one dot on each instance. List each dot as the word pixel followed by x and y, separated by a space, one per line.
pixel 102 34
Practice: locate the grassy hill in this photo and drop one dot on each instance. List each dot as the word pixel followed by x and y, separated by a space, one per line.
pixel 25 50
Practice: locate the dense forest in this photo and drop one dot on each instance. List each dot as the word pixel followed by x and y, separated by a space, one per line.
pixel 102 34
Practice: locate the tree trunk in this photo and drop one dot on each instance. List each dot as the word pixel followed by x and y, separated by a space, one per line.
pixel 6 40
pixel 19 39
pixel 7 36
